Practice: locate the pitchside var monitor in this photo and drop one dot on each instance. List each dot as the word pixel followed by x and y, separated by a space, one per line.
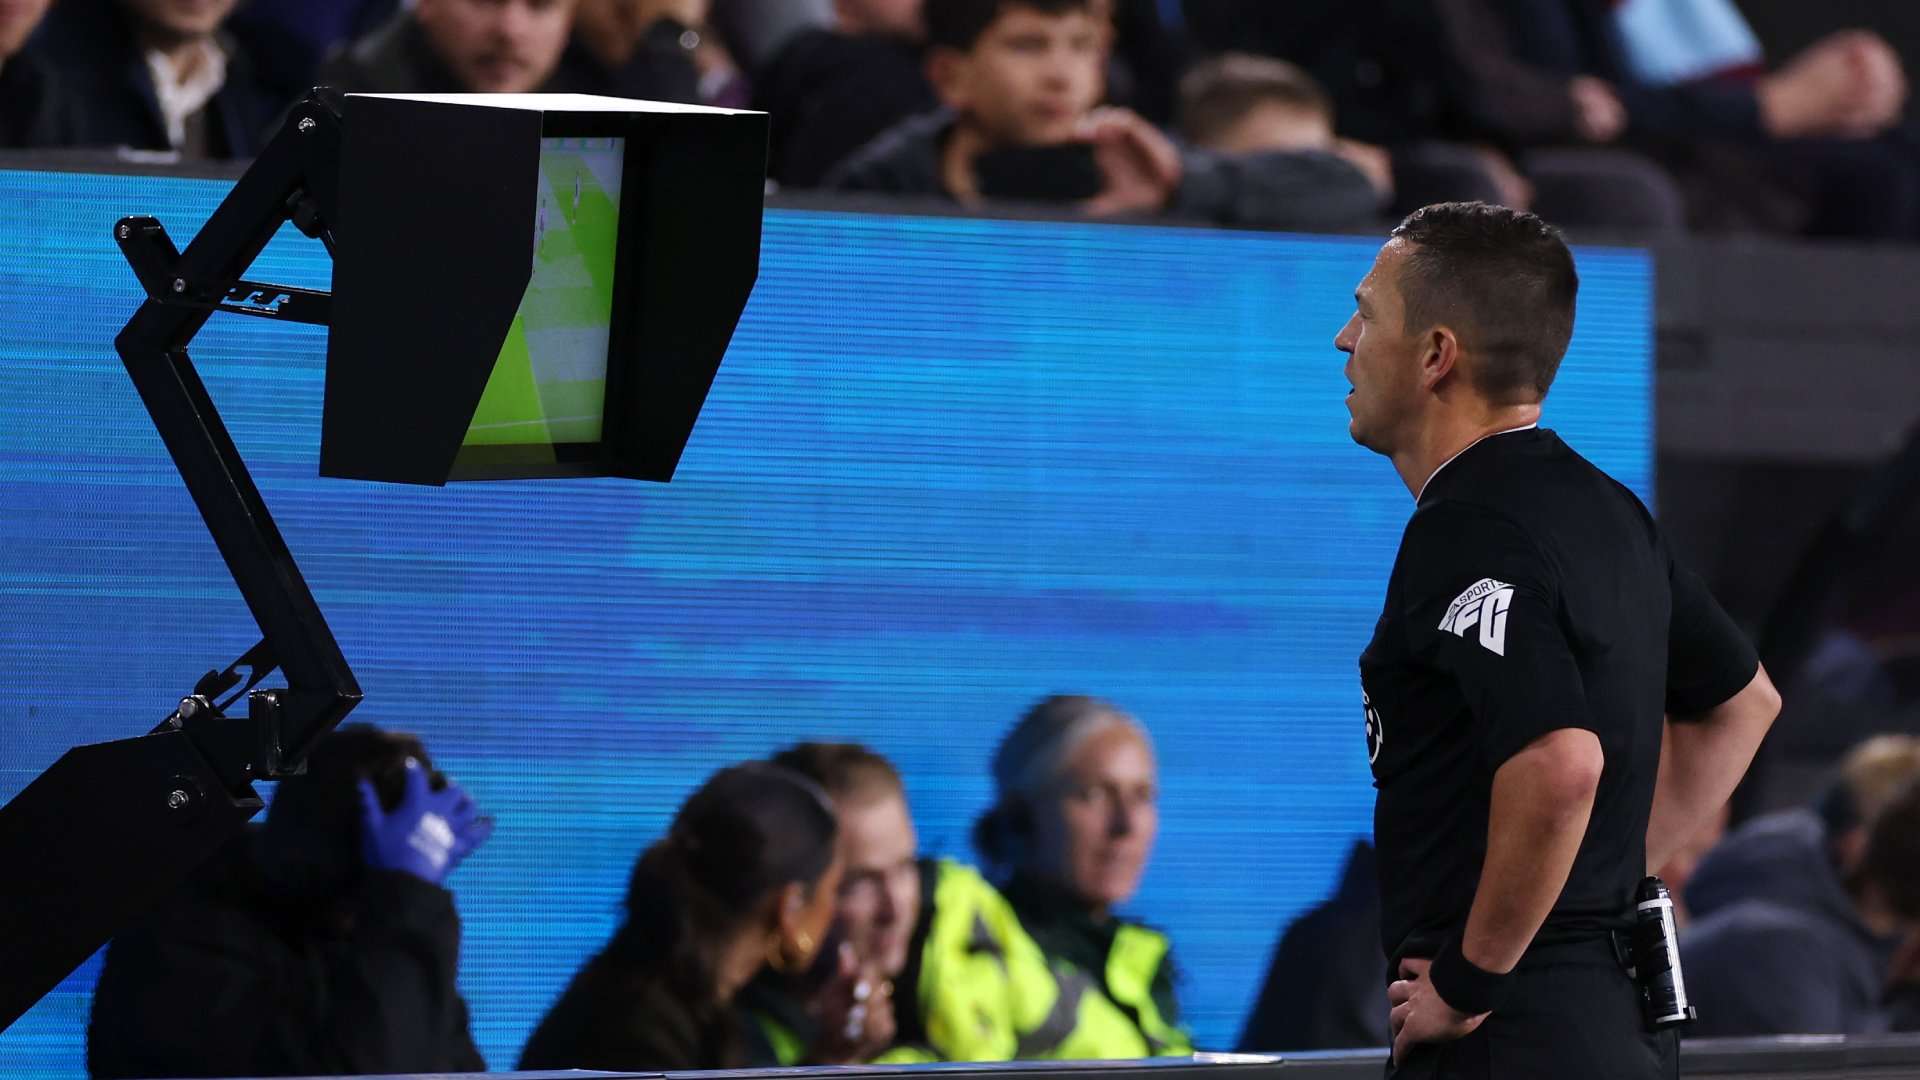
pixel 548 389
pixel 534 285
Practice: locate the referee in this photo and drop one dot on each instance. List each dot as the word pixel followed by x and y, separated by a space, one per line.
pixel 1553 704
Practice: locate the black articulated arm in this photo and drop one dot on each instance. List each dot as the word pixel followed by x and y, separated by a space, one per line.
pixel 109 830
pixel 293 179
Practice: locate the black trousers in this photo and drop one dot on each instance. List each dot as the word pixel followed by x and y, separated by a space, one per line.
pixel 1571 1014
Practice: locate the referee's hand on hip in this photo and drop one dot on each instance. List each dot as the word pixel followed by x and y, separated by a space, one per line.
pixel 1420 1015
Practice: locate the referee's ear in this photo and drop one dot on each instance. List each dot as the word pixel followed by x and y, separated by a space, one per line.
pixel 1439 356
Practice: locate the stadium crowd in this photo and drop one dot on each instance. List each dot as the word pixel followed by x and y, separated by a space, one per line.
pixel 1647 115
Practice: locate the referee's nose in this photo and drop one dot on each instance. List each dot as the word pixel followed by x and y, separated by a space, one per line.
pixel 1349 335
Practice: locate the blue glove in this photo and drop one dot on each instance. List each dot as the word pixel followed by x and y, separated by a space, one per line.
pixel 427 834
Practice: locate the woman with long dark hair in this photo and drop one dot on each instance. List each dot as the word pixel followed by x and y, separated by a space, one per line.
pixel 744 880
pixel 1068 837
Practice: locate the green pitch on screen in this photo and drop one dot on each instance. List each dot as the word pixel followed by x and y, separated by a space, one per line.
pixel 550 383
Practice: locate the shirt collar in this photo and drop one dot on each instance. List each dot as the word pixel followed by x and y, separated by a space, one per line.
pixel 1464 449
pixel 181 97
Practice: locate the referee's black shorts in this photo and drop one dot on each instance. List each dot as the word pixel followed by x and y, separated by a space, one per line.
pixel 1571 1014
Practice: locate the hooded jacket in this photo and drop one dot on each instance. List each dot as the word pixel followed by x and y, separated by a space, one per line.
pixel 1777 946
pixel 283 956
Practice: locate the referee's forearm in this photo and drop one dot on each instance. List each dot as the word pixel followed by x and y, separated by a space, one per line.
pixel 1702 759
pixel 1542 798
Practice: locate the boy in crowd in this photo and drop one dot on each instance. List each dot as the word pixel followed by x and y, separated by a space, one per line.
pixel 1239 104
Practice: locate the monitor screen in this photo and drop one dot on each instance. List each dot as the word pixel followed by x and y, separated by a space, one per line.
pixel 548 388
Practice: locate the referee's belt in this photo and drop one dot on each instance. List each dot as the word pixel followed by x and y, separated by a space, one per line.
pixel 1552 943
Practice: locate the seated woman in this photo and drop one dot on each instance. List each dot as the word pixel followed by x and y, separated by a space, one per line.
pixel 744 880
pixel 1070 834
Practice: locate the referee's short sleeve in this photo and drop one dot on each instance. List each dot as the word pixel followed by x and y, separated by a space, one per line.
pixel 1483 604
pixel 1708 659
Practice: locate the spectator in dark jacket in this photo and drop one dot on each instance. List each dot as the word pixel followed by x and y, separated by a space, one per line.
pixel 1326 987
pixel 657 50
pixel 1798 915
pixel 459 46
pixel 1799 148
pixel 746 879
pixel 33 110
pixel 834 85
pixel 758 29
pixel 159 75
pixel 1554 69
pixel 290 38
pixel 321 943
pixel 619 47
pixel 1020 80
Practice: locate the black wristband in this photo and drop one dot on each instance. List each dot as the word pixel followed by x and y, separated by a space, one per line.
pixel 1464 986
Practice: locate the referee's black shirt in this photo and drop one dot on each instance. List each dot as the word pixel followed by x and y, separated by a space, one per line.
pixel 1531 593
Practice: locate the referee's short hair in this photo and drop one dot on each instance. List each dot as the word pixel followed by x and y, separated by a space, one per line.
pixel 1504 281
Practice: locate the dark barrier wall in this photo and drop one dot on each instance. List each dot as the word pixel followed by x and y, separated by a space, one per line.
pixel 949 465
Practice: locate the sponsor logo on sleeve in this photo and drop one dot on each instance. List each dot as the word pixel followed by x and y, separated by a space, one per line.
pixel 1483 607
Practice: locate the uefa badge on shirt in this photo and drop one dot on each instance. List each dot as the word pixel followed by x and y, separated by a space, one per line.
pixel 1482 606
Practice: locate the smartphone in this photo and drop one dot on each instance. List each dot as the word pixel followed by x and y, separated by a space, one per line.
pixel 1059 172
